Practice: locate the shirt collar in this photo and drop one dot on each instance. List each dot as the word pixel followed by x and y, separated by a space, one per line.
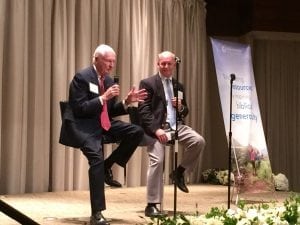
pixel 164 78
pixel 99 76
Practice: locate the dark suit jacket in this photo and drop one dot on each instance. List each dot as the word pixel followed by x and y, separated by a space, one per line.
pixel 80 119
pixel 153 111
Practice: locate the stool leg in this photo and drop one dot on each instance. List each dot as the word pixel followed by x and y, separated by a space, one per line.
pixel 162 197
pixel 125 175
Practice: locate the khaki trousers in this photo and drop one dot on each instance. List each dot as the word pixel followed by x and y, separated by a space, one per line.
pixel 193 144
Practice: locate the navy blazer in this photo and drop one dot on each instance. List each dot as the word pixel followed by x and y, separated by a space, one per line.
pixel 80 116
pixel 153 111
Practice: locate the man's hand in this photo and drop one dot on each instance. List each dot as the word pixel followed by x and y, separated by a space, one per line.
pixel 161 136
pixel 174 103
pixel 135 96
pixel 111 92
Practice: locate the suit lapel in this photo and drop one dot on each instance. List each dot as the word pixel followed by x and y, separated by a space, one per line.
pixel 174 83
pixel 94 77
pixel 160 89
pixel 94 80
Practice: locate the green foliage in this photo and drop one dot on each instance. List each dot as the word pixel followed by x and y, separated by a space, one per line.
pixel 241 204
pixel 264 170
pixel 216 176
pixel 210 176
pixel 288 213
pixel 291 213
pixel 215 212
pixel 165 220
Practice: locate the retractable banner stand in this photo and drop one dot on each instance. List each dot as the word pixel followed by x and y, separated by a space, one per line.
pixel 250 160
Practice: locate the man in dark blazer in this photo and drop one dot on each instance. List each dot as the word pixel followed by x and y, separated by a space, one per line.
pixel 82 127
pixel 157 115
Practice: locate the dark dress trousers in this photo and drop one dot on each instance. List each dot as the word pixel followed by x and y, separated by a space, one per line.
pixel 81 128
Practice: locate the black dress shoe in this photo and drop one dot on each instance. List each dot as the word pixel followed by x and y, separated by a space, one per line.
pixel 98 219
pixel 178 178
pixel 109 179
pixel 153 211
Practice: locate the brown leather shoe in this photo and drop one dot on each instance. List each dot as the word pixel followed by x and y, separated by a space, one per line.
pixel 109 179
pixel 98 219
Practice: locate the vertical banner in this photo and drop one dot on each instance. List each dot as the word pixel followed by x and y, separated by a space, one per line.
pixel 250 160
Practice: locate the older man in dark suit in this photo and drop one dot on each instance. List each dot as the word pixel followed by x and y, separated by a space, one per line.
pixel 92 106
pixel 158 118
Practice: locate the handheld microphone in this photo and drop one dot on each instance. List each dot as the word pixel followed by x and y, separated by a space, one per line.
pixel 232 77
pixel 177 59
pixel 116 80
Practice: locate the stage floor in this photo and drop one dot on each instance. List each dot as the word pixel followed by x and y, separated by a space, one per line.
pixel 124 205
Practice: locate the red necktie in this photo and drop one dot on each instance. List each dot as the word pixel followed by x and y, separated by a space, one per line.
pixel 104 118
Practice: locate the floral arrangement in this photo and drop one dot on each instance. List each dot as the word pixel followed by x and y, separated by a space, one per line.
pixel 216 176
pixel 287 213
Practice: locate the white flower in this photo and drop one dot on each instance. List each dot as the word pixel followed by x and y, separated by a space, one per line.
pixel 251 214
pixel 244 221
pixel 214 221
pixel 280 210
pixel 231 212
pixel 240 213
pixel 278 221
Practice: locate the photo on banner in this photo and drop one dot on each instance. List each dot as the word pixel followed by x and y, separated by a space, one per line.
pixel 250 160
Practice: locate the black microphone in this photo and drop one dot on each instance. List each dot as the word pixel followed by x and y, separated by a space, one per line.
pixel 177 59
pixel 175 85
pixel 232 77
pixel 116 80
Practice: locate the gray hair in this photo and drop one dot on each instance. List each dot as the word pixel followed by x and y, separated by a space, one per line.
pixel 102 50
pixel 166 54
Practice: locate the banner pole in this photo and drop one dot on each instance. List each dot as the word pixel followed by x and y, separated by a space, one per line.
pixel 232 78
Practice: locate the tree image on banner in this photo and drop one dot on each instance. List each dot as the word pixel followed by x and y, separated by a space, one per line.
pixel 250 160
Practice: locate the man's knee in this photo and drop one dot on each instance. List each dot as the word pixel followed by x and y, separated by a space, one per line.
pixel 95 160
pixel 156 162
pixel 201 141
pixel 138 132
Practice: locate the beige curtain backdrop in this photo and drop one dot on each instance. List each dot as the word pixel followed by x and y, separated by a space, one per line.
pixel 277 74
pixel 44 42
